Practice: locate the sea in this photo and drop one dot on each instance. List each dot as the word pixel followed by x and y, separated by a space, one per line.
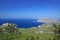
pixel 22 23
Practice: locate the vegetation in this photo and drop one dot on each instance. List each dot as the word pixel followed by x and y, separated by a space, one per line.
pixel 57 31
pixel 9 31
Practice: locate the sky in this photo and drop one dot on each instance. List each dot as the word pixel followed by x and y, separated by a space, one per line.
pixel 29 9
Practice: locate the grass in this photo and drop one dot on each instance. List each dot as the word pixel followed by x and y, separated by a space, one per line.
pixel 27 34
pixel 30 34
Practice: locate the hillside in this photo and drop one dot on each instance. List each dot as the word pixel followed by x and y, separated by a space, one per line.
pixel 9 31
pixel 48 20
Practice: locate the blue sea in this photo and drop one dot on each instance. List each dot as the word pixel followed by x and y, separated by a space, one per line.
pixel 22 23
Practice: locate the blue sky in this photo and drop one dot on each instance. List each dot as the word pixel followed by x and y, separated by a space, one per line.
pixel 29 8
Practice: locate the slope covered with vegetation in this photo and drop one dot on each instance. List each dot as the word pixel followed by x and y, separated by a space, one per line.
pixel 9 31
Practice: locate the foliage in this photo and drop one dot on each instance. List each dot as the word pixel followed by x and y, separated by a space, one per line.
pixel 11 32
pixel 8 32
pixel 57 31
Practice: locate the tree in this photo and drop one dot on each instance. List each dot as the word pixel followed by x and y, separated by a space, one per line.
pixel 32 38
pixel 8 31
pixel 57 31
pixel 27 38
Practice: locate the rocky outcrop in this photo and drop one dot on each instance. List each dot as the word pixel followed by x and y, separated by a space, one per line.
pixel 9 28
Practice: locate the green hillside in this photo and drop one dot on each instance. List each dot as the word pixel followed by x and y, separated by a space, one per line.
pixel 10 31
